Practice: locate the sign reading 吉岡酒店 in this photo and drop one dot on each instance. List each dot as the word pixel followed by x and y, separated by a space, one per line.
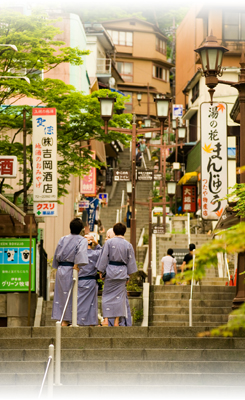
pixel 44 128
pixel 189 198
pixel 88 183
pixel 8 166
pixel 14 265
pixel 45 209
pixel 213 159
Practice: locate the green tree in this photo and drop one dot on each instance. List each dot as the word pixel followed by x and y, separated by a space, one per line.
pixel 78 115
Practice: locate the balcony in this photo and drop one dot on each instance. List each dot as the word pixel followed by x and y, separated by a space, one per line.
pixel 103 68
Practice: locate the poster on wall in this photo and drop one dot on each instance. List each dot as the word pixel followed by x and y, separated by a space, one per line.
pixel 213 159
pixel 14 265
pixel 88 183
pixel 44 128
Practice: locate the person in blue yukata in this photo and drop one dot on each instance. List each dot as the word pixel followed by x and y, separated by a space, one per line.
pixel 117 260
pixel 87 297
pixel 71 253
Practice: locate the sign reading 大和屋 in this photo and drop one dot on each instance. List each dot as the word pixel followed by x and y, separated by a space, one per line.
pixel 213 159
pixel 44 125
pixel 14 265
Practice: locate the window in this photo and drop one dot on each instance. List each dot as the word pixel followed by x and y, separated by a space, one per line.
pixel 126 70
pixel 160 45
pixel 193 128
pixel 129 104
pixel 233 26
pixel 195 92
pixel 121 38
pixel 160 73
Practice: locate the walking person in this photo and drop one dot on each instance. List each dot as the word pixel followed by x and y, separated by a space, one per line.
pixel 87 297
pixel 101 230
pixel 117 260
pixel 186 265
pixel 70 253
pixel 169 269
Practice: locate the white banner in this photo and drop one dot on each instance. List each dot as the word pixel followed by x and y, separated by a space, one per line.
pixel 44 125
pixel 213 159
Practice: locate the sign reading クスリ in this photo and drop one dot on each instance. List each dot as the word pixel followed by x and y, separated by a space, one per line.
pixel 46 209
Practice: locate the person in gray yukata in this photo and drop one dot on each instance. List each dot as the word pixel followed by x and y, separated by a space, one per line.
pixel 117 260
pixel 87 298
pixel 70 253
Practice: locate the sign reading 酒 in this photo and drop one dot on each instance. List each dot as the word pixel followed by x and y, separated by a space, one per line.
pixel 14 265
pixel 44 128
pixel 145 175
pixel 122 175
pixel 8 166
pixel 214 159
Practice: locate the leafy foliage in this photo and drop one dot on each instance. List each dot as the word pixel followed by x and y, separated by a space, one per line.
pixel 78 115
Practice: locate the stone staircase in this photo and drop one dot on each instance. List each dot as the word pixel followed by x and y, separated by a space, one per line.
pixel 169 305
pixel 136 362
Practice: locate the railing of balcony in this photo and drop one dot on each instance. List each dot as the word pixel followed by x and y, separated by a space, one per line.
pixel 103 66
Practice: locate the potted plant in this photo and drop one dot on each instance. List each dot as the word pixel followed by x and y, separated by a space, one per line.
pixel 133 289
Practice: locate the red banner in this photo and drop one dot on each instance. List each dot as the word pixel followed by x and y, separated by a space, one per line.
pixel 88 183
pixel 189 198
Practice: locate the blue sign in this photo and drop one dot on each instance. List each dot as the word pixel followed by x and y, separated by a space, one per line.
pixel 91 210
pixel 177 111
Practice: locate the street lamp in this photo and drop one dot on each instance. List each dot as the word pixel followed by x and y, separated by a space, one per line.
pixel 211 54
pixel 181 132
pixel 139 98
pixel 211 57
pixel 171 189
pixel 106 109
pixel 162 111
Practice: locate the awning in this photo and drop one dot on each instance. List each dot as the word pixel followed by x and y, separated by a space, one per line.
pixel 189 177
pixel 118 91
pixel 11 209
pixel 99 148
pixel 189 113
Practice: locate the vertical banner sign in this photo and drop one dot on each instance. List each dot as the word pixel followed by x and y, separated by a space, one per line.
pixel 44 125
pixel 88 183
pixel 189 198
pixel 214 159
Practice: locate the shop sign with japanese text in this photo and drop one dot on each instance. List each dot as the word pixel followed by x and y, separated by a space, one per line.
pixel 88 183
pixel 8 166
pixel 103 198
pixel 122 175
pixel 158 229
pixel 145 175
pixel 44 127
pixel 177 110
pixel 14 265
pixel 47 209
pixel 213 159
pixel 189 198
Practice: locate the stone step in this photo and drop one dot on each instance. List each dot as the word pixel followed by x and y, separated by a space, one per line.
pixel 124 354
pixel 87 367
pixel 195 303
pixel 195 310
pixel 207 318
pixel 196 289
pixel 196 296
pixel 127 342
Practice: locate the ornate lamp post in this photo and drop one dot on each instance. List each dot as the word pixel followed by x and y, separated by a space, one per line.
pixel 211 54
pixel 162 111
pixel 171 189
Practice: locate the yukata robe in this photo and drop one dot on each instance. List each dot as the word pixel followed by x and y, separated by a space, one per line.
pixel 87 297
pixel 114 294
pixel 71 248
pixel 123 321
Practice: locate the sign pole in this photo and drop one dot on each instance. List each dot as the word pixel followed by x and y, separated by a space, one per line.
pixel 29 289
pixel 24 160
pixel 150 242
pixel 133 219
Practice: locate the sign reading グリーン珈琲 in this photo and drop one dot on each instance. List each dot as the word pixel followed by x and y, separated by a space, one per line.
pixel 14 265
pixel 44 125
pixel 213 159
